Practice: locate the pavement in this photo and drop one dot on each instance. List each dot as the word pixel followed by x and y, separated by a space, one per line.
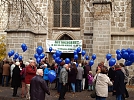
pixel 6 94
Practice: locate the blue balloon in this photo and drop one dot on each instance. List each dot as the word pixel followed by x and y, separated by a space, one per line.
pixel 58 53
pixel 108 56
pixel 78 49
pixel 122 51
pixel 25 49
pixel 20 58
pixel 9 54
pixel 75 52
pixel 128 63
pixel 57 60
pixel 51 75
pixel 129 51
pixel 16 55
pixel 118 51
pixel 76 57
pixel 39 50
pixel 67 60
pixel 50 49
pixel 14 58
pixel 83 52
pixel 125 56
pixel 38 60
pixel 91 62
pixel 36 55
pixel 12 52
pixel 54 56
pixel 131 56
pixel 87 57
pixel 42 56
pixel 94 56
pixel 118 56
pixel 112 62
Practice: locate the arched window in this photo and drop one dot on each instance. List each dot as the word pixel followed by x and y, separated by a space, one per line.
pixel 66 13
pixel 132 13
pixel 65 37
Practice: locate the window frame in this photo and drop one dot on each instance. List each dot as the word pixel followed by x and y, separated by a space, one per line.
pixel 70 14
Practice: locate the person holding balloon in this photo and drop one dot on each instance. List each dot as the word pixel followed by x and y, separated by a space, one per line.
pixel 63 81
pixel 119 85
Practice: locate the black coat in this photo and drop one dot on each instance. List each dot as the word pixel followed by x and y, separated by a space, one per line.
pixel 73 74
pixel 16 78
pixel 119 85
pixel 38 88
pixel 111 74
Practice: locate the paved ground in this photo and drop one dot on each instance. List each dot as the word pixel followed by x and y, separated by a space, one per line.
pixel 6 94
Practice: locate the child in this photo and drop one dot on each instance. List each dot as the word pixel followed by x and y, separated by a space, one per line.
pixel 90 81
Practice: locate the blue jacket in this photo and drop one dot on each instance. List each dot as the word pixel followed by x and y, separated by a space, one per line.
pixel 45 75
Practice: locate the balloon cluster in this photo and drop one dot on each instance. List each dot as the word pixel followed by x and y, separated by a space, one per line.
pixel 39 54
pixel 16 55
pixel 111 60
pixel 56 56
pixel 127 54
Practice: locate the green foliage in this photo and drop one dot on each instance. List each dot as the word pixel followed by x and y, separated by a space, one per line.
pixel 2 47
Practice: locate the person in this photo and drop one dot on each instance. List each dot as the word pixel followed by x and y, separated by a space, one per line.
pixel 119 85
pixel 6 72
pixel 111 75
pixel 90 81
pixel 30 73
pixel 102 82
pixel 16 79
pixel 1 65
pixel 38 87
pixel 45 74
pixel 63 79
pixel 79 77
pixel 73 74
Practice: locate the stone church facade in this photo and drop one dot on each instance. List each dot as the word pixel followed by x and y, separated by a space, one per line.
pixel 103 25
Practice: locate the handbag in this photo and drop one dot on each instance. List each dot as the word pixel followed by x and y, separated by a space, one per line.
pixel 93 94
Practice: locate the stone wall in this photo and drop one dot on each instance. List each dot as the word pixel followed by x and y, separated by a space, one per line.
pixel 14 41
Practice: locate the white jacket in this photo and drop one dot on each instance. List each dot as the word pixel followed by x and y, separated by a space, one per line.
pixel 102 84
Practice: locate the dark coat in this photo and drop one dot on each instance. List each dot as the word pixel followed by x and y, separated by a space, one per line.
pixel 73 74
pixel 16 78
pixel 119 85
pixel 111 74
pixel 38 88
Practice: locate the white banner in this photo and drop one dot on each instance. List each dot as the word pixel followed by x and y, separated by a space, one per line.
pixel 65 46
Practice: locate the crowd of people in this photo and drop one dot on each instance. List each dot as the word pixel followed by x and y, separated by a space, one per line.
pixel 34 82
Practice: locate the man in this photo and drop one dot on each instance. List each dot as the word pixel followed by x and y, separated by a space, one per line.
pixel 79 77
pixel 30 73
pixel 6 72
pixel 63 79
pixel 38 86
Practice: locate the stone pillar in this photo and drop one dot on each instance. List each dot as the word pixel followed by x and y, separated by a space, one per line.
pixel 101 32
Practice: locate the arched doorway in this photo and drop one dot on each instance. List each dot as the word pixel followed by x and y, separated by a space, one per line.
pixel 66 55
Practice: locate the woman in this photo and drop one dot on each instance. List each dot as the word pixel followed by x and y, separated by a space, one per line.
pixel 102 82
pixel 16 79
pixel 73 74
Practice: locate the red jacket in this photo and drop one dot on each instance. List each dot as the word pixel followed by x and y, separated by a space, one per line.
pixel 30 73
